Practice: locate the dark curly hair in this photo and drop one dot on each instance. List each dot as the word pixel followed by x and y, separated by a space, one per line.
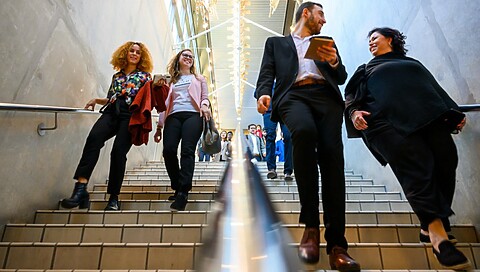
pixel 398 39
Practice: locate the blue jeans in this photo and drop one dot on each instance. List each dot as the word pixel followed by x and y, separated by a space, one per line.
pixel 271 128
pixel 202 156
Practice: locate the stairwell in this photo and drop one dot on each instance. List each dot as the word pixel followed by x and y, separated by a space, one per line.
pixel 381 228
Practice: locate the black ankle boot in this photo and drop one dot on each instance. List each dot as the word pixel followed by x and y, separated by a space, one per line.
pixel 80 197
pixel 113 203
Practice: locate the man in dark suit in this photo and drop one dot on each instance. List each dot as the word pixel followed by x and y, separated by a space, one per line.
pixel 307 99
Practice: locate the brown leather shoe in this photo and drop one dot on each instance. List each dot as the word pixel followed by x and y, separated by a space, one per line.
pixel 340 260
pixel 309 249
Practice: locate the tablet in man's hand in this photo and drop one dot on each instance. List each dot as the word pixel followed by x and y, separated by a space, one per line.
pixel 316 42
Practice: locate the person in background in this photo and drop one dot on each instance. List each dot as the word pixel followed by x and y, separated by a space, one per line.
pixel 223 154
pixel 280 149
pixel 229 139
pixel 133 62
pixel 187 103
pixel 202 156
pixel 308 101
pixel 270 136
pixel 259 132
pixel 398 108
pixel 255 144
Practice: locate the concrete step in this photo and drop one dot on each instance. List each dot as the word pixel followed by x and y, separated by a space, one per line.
pixel 193 233
pixel 182 255
pixel 76 216
pixel 279 205
pixel 194 195
pixel 354 188
pixel 217 181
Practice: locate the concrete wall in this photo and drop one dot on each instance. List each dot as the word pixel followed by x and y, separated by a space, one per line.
pixel 444 36
pixel 57 52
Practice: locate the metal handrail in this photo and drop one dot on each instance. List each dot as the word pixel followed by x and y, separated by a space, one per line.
pixel 48 109
pixel 41 128
pixel 245 233
pixel 469 107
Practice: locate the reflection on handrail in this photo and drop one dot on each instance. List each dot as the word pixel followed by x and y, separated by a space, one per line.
pixel 245 233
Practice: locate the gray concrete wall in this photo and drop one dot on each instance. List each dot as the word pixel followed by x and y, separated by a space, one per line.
pixel 57 52
pixel 444 36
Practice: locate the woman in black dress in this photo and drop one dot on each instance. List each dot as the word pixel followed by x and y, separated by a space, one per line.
pixel 395 104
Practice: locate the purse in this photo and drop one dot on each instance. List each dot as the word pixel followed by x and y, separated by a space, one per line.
pixel 210 139
pixel 451 119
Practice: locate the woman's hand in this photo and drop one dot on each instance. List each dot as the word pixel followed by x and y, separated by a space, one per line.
pixel 358 119
pixel 91 104
pixel 205 112
pixel 462 124
pixel 160 82
pixel 158 135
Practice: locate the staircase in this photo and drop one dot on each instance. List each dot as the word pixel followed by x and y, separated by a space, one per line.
pixel 381 228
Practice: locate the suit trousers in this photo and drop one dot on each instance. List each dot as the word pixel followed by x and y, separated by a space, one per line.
pixel 107 126
pixel 425 165
pixel 314 117
pixel 185 126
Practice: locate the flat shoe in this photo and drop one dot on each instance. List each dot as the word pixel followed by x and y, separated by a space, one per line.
pixel 450 257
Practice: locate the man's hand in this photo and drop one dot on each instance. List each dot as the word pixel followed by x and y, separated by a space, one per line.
pixel 263 103
pixel 158 135
pixel 327 54
pixel 358 119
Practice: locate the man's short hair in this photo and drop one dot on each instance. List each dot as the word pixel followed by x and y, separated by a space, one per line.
pixel 251 125
pixel 307 5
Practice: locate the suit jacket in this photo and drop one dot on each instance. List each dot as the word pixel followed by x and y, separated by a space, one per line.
pixel 260 144
pixel 280 64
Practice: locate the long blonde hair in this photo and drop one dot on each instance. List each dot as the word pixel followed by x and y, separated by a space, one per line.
pixel 174 68
pixel 119 57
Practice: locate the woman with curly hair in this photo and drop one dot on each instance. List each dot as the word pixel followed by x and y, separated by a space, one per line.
pixel 187 103
pixel 133 62
pixel 399 109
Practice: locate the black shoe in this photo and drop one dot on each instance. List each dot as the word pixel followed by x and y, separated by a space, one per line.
pixel 288 177
pixel 271 174
pixel 80 197
pixel 180 202
pixel 173 197
pixel 426 239
pixel 113 203
pixel 450 257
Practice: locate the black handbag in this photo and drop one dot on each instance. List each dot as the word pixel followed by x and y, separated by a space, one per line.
pixel 210 139
pixel 452 118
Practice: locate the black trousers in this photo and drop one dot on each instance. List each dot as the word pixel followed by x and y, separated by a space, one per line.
pixel 185 126
pixel 425 164
pixel 314 117
pixel 107 126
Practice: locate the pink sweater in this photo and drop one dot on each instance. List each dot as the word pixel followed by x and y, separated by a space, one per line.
pixel 197 90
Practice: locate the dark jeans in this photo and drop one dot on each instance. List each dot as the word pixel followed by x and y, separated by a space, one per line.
pixel 271 128
pixel 314 117
pixel 202 156
pixel 425 164
pixel 185 126
pixel 107 126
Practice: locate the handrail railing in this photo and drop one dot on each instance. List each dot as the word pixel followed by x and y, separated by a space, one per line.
pixel 49 109
pixel 469 107
pixel 245 233
pixel 41 128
